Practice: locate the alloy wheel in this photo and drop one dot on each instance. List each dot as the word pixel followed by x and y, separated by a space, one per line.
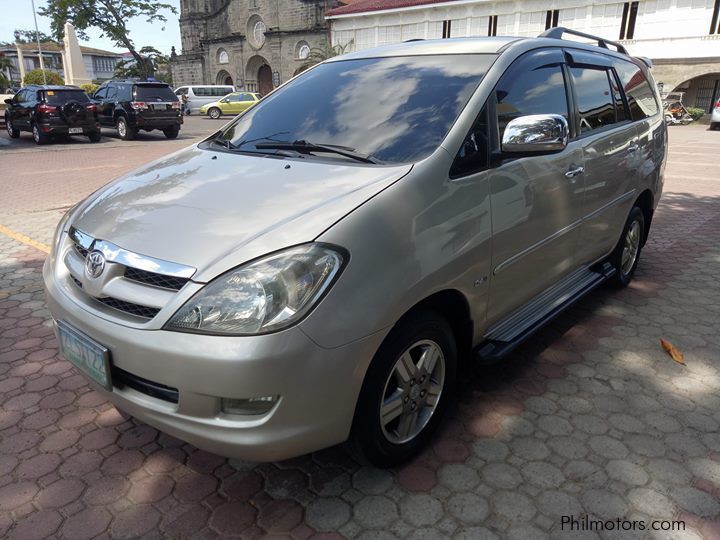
pixel 122 128
pixel 630 247
pixel 412 391
pixel 9 126
pixel 36 133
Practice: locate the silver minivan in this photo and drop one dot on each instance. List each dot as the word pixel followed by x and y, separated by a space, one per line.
pixel 202 94
pixel 317 270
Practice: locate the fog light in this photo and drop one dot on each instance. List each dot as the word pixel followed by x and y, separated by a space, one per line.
pixel 256 405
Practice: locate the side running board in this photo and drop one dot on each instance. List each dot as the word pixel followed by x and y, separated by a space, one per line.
pixel 510 332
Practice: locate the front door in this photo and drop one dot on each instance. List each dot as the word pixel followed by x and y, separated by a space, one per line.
pixel 265 83
pixel 536 200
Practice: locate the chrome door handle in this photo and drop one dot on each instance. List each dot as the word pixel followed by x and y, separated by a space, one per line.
pixel 633 148
pixel 574 172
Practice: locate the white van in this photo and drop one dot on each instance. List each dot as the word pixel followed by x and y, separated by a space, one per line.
pixel 199 95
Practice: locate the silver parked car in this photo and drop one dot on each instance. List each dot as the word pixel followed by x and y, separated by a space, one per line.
pixel 314 274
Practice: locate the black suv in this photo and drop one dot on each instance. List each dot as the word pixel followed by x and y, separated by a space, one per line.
pixel 46 110
pixel 130 106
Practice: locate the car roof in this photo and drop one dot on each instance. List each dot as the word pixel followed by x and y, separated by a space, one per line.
pixel 50 87
pixel 476 45
pixel 418 47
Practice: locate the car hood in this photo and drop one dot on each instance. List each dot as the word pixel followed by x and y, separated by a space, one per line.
pixel 215 210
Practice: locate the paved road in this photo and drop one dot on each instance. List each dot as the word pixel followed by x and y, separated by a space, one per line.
pixel 590 417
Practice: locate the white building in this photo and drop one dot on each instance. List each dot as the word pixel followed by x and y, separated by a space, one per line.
pixel 682 37
pixel 99 64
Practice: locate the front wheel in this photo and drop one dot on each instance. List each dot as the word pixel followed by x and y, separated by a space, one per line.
pixel 714 126
pixel 214 113
pixel 11 129
pixel 406 390
pixel 626 256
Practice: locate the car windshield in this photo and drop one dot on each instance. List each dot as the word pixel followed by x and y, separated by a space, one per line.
pixel 154 92
pixel 397 110
pixel 60 97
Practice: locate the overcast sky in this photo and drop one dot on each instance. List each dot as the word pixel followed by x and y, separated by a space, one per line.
pixel 17 14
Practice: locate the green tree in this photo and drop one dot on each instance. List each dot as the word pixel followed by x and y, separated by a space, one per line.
pixel 6 67
pixel 322 53
pixel 30 36
pixel 128 69
pixel 90 88
pixel 36 77
pixel 108 16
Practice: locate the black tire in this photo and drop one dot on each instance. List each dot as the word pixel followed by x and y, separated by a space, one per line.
pixel 624 273
pixel 369 440
pixel 11 129
pixel 39 136
pixel 171 132
pixel 714 126
pixel 125 132
pixel 214 113
pixel 95 136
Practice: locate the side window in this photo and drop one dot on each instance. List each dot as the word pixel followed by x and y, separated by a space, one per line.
pixel 100 94
pixel 474 153
pixel 181 92
pixel 640 96
pixel 531 88
pixel 112 92
pixel 20 96
pixel 595 102
pixel 247 97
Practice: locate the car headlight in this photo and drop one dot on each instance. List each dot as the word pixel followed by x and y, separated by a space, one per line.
pixel 61 227
pixel 263 296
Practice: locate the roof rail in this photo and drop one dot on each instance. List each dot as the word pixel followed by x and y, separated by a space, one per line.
pixel 558 31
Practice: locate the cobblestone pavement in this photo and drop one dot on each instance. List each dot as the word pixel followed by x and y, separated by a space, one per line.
pixel 590 417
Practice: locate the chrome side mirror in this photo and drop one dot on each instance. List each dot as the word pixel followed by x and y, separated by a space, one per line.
pixel 536 133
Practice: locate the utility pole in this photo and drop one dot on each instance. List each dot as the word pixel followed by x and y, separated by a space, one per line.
pixel 37 38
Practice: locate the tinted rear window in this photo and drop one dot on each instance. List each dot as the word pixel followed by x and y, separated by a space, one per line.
pixel 154 93
pixel 396 109
pixel 640 96
pixel 60 97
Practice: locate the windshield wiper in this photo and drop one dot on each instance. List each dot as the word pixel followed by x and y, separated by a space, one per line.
pixel 307 147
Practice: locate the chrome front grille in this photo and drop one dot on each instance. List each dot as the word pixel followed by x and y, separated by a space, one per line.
pixel 155 280
pixel 129 283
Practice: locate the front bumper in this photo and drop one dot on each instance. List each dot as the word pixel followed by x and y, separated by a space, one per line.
pixel 318 387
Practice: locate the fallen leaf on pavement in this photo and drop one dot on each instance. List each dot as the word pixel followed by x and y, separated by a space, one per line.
pixel 673 351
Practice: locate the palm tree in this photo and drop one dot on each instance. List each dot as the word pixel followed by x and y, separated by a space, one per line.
pixel 6 69
pixel 322 53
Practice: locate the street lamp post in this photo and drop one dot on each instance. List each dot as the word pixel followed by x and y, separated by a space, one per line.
pixel 37 38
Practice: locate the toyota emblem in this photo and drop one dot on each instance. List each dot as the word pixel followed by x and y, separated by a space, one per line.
pixel 94 264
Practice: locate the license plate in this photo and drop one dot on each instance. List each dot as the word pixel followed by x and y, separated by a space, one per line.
pixel 87 355
pixel 75 131
pixel 161 107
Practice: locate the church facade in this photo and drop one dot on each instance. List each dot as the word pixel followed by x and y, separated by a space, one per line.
pixel 254 45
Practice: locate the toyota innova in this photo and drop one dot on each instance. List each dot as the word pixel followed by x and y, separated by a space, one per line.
pixel 314 272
